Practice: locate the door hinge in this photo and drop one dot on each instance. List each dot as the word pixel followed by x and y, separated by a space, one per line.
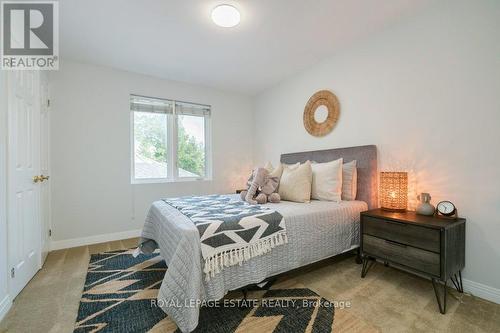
pixel 50 232
pixel 12 273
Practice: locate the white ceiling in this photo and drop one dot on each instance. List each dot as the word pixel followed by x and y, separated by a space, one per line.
pixel 175 39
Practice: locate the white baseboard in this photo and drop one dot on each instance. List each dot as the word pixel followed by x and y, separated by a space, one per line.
pixel 5 305
pixel 481 290
pixel 74 242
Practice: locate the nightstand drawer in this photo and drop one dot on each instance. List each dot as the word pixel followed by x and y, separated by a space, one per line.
pixel 404 233
pixel 421 260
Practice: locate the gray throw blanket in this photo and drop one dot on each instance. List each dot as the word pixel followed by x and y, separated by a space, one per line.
pixel 231 231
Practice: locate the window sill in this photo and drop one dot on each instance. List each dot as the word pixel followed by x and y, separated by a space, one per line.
pixel 166 181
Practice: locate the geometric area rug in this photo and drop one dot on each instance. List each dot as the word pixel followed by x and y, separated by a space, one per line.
pixel 120 292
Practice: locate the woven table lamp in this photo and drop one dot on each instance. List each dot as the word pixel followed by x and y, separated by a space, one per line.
pixel 394 191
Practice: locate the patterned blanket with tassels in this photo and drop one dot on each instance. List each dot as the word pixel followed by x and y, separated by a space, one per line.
pixel 231 230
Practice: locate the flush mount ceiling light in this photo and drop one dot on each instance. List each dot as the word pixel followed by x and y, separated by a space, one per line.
pixel 226 16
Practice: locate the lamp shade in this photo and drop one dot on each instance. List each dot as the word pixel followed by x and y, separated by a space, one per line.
pixel 394 191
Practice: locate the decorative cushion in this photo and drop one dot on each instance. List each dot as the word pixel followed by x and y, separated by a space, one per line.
pixel 295 184
pixel 349 181
pixel 327 181
pixel 274 172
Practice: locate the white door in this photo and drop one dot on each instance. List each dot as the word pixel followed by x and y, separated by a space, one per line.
pixel 23 165
pixel 45 215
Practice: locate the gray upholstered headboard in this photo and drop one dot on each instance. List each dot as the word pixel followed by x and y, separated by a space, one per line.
pixel 366 157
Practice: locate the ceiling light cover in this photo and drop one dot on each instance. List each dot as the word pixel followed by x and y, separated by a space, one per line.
pixel 226 16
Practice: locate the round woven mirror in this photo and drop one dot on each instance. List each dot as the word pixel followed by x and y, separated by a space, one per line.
pixel 317 103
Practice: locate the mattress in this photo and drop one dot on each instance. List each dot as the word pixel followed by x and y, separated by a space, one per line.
pixel 315 230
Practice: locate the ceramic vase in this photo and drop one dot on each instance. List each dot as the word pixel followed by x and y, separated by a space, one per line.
pixel 425 207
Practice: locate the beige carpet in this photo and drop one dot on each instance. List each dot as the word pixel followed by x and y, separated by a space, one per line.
pixel 387 300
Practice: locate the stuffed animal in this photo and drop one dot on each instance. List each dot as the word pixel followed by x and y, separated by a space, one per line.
pixel 261 188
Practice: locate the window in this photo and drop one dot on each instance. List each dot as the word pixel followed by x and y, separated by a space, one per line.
pixel 170 140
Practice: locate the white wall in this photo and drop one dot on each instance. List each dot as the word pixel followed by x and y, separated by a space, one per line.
pixel 90 138
pixel 427 93
pixel 4 299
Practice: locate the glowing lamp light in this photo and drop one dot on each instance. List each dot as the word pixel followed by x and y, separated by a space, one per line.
pixel 394 191
pixel 226 16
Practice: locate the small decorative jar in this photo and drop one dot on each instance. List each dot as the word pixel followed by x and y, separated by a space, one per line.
pixel 424 207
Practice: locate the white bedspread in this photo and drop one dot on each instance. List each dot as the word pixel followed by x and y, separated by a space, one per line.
pixel 316 230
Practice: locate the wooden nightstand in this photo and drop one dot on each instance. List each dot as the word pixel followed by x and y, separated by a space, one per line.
pixel 427 245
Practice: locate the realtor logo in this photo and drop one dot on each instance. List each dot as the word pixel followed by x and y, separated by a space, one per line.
pixel 30 35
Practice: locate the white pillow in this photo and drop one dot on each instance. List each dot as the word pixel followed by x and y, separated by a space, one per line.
pixel 349 181
pixel 295 184
pixel 327 181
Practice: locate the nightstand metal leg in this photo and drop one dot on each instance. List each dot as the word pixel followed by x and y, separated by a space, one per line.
pixel 442 305
pixel 359 259
pixel 457 282
pixel 363 269
pixel 366 266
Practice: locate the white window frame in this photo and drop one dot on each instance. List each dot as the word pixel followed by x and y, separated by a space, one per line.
pixel 172 146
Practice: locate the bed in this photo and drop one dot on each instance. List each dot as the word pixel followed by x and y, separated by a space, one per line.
pixel 315 231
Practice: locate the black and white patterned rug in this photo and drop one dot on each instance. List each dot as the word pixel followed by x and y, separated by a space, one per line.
pixel 120 292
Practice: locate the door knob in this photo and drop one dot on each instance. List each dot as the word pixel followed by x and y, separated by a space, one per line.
pixel 39 179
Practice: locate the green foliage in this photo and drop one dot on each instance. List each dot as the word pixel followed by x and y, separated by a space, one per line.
pixel 150 136
pixel 149 130
pixel 190 154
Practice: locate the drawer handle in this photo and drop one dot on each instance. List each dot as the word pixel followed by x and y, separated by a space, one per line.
pixel 397 223
pixel 395 243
